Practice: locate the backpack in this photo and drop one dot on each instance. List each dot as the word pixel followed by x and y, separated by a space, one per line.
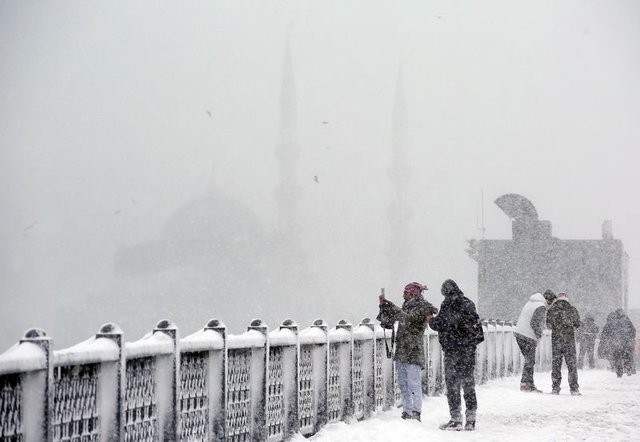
pixel 473 328
pixel 476 332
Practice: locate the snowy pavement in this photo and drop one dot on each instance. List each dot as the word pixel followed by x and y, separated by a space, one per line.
pixel 609 409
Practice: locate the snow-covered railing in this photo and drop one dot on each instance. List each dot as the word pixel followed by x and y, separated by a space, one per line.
pixel 258 385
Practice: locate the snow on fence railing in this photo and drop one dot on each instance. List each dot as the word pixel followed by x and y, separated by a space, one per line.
pixel 214 386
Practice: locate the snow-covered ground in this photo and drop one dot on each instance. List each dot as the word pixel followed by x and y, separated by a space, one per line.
pixel 609 409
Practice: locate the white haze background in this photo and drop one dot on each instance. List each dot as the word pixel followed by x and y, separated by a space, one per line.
pixel 105 133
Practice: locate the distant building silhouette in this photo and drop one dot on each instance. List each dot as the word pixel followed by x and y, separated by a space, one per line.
pixel 592 272
pixel 399 211
pixel 291 275
pixel 288 192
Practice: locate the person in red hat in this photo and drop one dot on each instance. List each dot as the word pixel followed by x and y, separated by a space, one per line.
pixel 412 320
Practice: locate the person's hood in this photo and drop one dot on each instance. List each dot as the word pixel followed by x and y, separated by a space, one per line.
pixel 619 314
pixel 450 288
pixel 537 297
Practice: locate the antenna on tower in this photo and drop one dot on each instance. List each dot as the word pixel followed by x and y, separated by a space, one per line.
pixel 482 229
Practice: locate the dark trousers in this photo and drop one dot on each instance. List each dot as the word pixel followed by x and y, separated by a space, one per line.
pixel 563 347
pixel 623 361
pixel 528 350
pixel 586 349
pixel 458 373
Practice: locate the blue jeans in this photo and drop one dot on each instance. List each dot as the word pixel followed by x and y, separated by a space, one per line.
pixel 410 386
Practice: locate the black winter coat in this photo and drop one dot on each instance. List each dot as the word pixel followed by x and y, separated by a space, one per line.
pixel 458 324
pixel 587 333
pixel 618 335
pixel 562 319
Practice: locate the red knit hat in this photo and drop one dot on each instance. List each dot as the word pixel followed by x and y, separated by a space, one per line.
pixel 415 288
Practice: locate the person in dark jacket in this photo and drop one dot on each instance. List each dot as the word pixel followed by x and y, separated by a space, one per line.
pixel 617 342
pixel 409 356
pixel 563 319
pixel 586 336
pixel 527 333
pixel 459 332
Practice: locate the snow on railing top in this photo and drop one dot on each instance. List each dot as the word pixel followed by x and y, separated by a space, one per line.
pixel 202 340
pixel 93 350
pixel 151 344
pixel 364 331
pixel 282 336
pixel 22 357
pixel 316 334
pixel 341 333
pixel 313 336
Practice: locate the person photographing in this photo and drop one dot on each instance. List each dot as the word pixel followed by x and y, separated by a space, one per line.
pixel 412 320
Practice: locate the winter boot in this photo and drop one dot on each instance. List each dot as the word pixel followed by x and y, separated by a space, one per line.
pixel 451 426
pixel 405 415
pixel 470 426
pixel 529 388
pixel 576 393
pixel 416 416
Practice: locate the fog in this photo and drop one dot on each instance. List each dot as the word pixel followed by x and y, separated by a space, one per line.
pixel 139 177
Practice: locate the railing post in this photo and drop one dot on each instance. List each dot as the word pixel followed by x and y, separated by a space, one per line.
pixel 510 348
pixel 291 386
pixel 492 349
pixel 346 372
pixel 259 369
pixel 389 375
pixel 486 364
pixel 321 355
pixel 500 349
pixel 171 421
pixel 38 391
pixel 368 369
pixel 218 385
pixel 113 378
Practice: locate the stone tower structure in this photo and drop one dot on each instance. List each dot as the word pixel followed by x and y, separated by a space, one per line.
pixel 593 272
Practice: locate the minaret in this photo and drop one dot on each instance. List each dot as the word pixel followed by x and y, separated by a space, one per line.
pixel 288 191
pixel 290 264
pixel 399 212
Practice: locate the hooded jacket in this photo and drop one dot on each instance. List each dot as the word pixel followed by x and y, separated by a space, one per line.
pixel 588 332
pixel 562 319
pixel 531 320
pixel 412 321
pixel 618 335
pixel 458 324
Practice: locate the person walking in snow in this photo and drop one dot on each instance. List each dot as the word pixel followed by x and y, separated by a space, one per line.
pixel 563 319
pixel 527 333
pixel 459 332
pixel 617 342
pixel 586 336
pixel 412 320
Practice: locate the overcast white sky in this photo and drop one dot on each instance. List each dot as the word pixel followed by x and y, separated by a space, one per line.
pixel 104 131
